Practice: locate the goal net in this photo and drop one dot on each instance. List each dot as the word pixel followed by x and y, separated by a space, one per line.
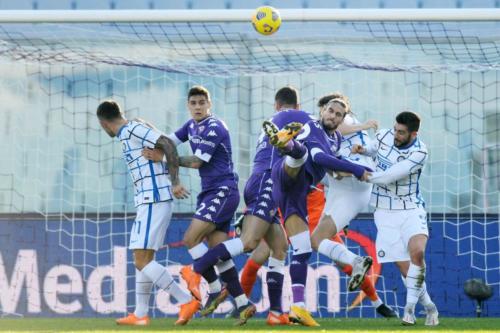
pixel 67 201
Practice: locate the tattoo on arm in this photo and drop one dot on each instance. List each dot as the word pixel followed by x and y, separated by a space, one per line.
pixel 190 162
pixel 170 150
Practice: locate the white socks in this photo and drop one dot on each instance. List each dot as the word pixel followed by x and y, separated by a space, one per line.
pixel 162 278
pixel 337 252
pixel 143 286
pixel 414 283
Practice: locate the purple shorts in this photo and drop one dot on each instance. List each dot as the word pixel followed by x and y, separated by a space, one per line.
pixel 258 196
pixel 218 206
pixel 291 194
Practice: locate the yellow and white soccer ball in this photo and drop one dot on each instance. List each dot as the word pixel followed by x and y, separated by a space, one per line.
pixel 266 20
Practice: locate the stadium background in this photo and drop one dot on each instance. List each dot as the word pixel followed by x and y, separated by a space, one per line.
pixel 66 197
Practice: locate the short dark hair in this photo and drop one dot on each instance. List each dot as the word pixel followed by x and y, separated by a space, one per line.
pixel 198 90
pixel 335 95
pixel 287 96
pixel 109 110
pixel 410 119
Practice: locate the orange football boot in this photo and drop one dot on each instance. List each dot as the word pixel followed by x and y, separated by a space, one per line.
pixel 187 311
pixel 132 320
pixel 193 281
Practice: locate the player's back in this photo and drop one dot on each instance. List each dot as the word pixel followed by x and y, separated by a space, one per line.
pixel 266 154
pixel 403 193
pixel 151 181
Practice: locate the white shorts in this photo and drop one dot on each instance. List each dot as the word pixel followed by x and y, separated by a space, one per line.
pixel 345 199
pixel 150 225
pixel 394 230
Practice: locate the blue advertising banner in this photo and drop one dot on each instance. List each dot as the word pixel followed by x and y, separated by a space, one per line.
pixel 82 268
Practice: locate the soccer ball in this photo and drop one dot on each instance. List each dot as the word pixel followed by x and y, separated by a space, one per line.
pixel 266 20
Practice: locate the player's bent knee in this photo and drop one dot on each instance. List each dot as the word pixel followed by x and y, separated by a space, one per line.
pixel 417 257
pixel 190 242
pixel 250 244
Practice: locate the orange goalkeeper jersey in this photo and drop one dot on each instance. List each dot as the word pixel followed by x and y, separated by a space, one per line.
pixel 315 206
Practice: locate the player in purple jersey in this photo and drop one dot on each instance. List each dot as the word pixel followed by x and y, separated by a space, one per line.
pixel 216 204
pixel 307 160
pixel 261 220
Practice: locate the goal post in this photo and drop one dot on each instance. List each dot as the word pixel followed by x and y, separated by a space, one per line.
pixel 65 193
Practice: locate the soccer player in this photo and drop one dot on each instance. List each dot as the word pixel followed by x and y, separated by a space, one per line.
pixel 353 132
pixel 346 198
pixel 154 192
pixel 307 160
pixel 261 220
pixel 400 216
pixel 216 204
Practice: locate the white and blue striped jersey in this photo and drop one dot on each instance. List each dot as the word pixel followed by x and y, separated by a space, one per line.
pixel 357 138
pixel 397 175
pixel 151 180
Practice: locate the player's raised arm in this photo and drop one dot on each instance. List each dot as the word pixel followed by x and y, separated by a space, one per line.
pixel 169 149
pixel 346 129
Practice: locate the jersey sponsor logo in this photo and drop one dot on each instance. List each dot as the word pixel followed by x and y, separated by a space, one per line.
pixel 263 204
pixel 213 124
pixel 221 194
pixel 260 212
pixel 268 189
pixel 266 196
pixel 211 208
pixel 197 140
pixel 216 200
pixel 269 181
pixel 212 134
pixel 208 216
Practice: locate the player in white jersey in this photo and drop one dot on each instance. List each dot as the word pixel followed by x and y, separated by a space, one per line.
pixel 154 192
pixel 400 216
pixel 346 197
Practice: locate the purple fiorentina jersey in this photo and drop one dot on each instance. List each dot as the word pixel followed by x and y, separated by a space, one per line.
pixel 314 137
pixel 210 141
pixel 266 155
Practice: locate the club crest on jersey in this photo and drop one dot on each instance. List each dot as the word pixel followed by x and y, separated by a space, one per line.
pixel 201 129
pixel 400 158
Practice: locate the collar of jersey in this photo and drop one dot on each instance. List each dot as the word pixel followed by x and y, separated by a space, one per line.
pixel 121 129
pixel 409 145
pixel 201 122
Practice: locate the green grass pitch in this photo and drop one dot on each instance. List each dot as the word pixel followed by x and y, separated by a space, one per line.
pixel 100 325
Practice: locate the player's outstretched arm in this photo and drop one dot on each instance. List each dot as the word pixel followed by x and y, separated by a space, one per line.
pixel 399 170
pixel 193 162
pixel 346 129
pixel 170 150
pixel 333 163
